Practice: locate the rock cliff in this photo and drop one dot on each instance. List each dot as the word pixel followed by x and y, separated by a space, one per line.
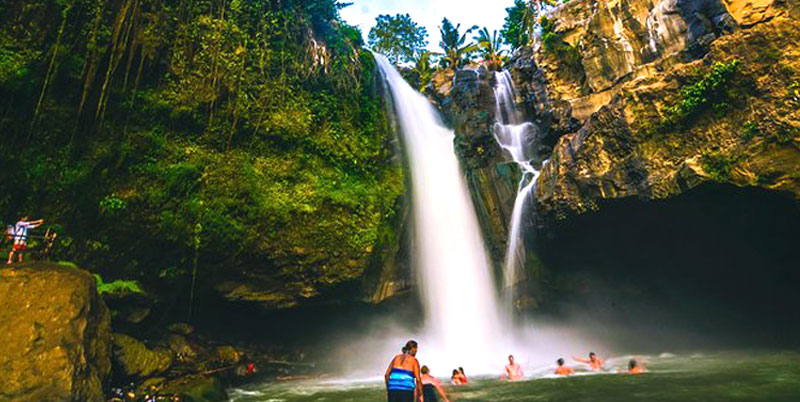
pixel 55 335
pixel 732 117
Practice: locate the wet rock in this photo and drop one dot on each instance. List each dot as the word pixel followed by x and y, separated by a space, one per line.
pixel 135 359
pixel 197 388
pixel 181 328
pixel 181 348
pixel 227 355
pixel 54 335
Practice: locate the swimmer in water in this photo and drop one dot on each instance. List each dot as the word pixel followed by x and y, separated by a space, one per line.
pixel 430 386
pixel 463 376
pixel 562 369
pixel 595 363
pixel 403 381
pixel 513 370
pixel 455 379
pixel 635 368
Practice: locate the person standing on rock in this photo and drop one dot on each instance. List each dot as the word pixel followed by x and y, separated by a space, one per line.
pixel 403 381
pixel 21 230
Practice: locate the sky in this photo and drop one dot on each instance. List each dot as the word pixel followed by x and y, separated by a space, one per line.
pixel 429 13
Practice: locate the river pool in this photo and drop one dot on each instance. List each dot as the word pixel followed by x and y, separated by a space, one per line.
pixel 719 376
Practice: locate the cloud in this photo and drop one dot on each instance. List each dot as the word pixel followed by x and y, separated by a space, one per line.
pixel 429 13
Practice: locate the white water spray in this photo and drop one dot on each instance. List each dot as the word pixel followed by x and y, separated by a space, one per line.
pixel 516 137
pixel 462 324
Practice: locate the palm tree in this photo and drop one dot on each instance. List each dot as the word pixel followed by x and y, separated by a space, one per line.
pixel 454 44
pixel 490 46
pixel 423 69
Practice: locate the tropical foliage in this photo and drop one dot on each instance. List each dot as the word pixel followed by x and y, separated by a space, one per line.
pixel 398 37
pixel 423 70
pixel 456 50
pixel 523 21
pixel 129 123
pixel 494 57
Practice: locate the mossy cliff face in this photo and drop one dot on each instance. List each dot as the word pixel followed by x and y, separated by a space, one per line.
pixel 244 139
pixel 731 117
pixel 55 336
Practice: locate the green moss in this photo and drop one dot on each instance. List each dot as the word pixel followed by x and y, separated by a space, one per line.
pixel 718 166
pixel 555 45
pixel 117 287
pixel 710 91
pixel 749 130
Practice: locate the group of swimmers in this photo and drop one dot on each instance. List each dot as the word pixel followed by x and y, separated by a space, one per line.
pixel 407 382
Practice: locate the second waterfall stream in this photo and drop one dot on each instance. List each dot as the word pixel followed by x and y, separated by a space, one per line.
pixel 518 138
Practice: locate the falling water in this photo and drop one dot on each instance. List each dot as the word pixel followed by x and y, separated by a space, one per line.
pixel 516 137
pixel 456 286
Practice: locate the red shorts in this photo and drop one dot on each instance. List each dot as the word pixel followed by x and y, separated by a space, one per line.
pixel 20 247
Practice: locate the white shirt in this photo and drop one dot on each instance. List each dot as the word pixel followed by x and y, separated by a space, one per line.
pixel 21 232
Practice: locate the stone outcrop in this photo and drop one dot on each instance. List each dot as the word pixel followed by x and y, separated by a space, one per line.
pixel 751 12
pixel 135 359
pixel 621 40
pixel 54 335
pixel 750 139
pixel 469 104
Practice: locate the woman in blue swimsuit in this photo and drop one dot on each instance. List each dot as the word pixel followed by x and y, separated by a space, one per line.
pixel 403 382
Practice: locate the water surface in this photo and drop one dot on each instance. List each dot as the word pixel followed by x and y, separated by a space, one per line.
pixel 728 376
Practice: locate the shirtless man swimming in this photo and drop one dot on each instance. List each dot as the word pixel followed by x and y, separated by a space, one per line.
pixel 595 363
pixel 403 381
pixel 562 369
pixel 513 370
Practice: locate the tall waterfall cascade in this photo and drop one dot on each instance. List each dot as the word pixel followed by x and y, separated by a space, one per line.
pixel 459 297
pixel 517 137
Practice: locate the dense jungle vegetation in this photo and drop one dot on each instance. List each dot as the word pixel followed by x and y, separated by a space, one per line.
pixel 161 137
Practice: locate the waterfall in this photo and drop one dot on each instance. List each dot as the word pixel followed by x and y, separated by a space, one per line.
pixel 462 324
pixel 517 137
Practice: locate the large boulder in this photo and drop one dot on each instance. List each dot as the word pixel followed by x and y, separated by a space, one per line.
pixel 54 335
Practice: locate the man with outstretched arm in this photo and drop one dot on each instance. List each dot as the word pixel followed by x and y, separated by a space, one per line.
pixel 21 230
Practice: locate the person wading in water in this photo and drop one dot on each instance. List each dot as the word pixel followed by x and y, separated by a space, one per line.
pixel 430 386
pixel 594 362
pixel 403 381
pixel 513 370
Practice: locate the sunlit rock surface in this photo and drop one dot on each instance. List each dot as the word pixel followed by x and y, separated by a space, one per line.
pixel 54 335
pixel 621 40
pixel 753 142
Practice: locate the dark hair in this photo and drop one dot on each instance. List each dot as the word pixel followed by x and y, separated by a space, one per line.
pixel 409 345
pixel 510 356
pixel 424 370
pixel 560 362
pixel 592 354
pixel 461 369
pixel 632 363
pixel 455 371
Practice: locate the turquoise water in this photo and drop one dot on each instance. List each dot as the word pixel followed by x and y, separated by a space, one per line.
pixel 728 376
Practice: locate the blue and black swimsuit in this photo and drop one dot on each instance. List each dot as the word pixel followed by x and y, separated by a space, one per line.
pixel 401 385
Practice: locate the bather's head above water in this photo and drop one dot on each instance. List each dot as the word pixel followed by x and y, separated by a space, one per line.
pixel 411 348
